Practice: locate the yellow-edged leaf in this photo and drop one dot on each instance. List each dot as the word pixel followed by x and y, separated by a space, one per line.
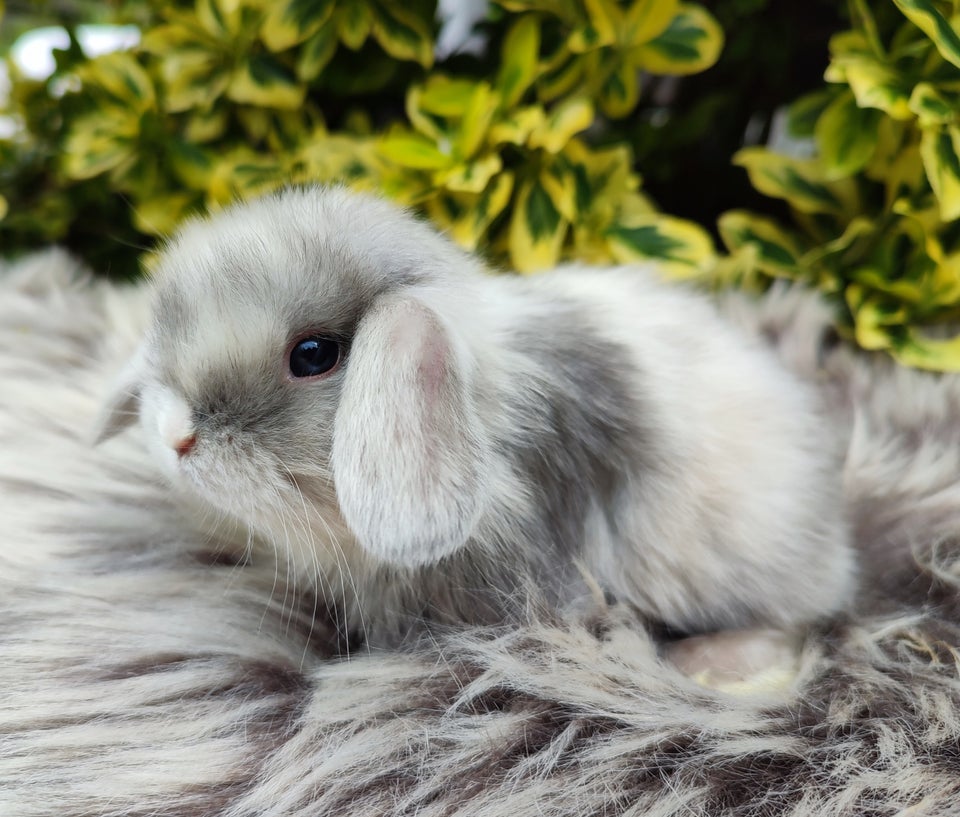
pixel 646 19
pixel 604 21
pixel 403 34
pixel 192 165
pixel 471 177
pixel 193 78
pixel 289 22
pixel 205 125
pixel 800 181
pixel 413 151
pixel 928 353
pixel 619 91
pixel 561 185
pixel 266 83
pixel 316 52
pixel 940 150
pixel 519 66
pixel 466 217
pixel 776 251
pixel 517 127
pixel 477 116
pixel 681 248
pixel 559 74
pixel 872 318
pixel 567 119
pixel 537 229
pixel 221 19
pixel 846 136
pixel 354 23
pixel 161 213
pixel 242 174
pixel 123 78
pixel 876 85
pixel 931 106
pixel 691 43
pixel 445 97
pixel 927 17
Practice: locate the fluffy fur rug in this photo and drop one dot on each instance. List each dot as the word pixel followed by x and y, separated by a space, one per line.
pixel 144 673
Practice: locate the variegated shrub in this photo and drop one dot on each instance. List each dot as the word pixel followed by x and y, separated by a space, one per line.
pixel 231 98
pixel 875 209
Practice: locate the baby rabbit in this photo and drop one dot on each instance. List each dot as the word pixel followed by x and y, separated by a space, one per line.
pixel 422 441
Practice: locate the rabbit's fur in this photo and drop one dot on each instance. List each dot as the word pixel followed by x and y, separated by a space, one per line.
pixel 483 434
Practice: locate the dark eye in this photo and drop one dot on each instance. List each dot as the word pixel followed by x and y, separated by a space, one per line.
pixel 314 356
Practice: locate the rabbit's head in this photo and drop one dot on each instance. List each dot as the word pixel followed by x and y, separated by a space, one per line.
pixel 311 365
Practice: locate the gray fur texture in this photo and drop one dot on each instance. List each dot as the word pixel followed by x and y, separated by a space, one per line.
pixel 146 670
pixel 482 434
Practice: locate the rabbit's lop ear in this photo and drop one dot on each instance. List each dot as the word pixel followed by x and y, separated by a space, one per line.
pixel 409 453
pixel 120 409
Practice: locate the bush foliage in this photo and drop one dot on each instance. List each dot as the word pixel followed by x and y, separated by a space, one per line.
pixel 526 150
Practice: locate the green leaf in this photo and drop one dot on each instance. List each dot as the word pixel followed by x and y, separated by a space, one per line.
pixel 775 251
pixel 691 43
pixel 192 165
pixel 647 19
pixel 559 75
pixel 162 212
pixel 317 52
pixel 265 82
pixel 402 34
pixel 518 69
pixel 932 107
pixel 536 230
pixel 467 217
pixel 560 183
pixel 682 248
pixel 620 90
pixel 413 151
pixel 193 78
pixel 847 136
pixel 517 127
pixel 800 181
pixel 444 96
pixel 876 85
pixel 873 315
pixel 354 23
pixel 940 149
pixel 472 177
pixel 925 16
pixel 289 22
pixel 604 19
pixel 122 78
pixel 802 115
pixel 928 353
pixel 567 119
pixel 477 116
pixel 221 19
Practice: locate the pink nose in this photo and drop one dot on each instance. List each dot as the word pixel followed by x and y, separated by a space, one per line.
pixel 185 445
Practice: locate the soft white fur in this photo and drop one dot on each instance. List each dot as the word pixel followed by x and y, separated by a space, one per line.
pixel 141 676
pixel 730 514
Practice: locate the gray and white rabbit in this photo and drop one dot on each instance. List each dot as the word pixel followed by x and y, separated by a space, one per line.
pixel 421 440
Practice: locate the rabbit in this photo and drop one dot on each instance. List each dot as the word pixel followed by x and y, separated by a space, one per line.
pixel 421 441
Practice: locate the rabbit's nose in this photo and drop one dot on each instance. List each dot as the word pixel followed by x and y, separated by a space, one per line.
pixel 185 445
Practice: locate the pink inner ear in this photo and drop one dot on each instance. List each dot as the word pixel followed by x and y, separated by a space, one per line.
pixel 422 341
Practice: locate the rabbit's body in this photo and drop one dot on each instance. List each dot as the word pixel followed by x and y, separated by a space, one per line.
pixel 481 435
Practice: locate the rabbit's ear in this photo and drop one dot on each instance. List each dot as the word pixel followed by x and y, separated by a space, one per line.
pixel 409 452
pixel 120 409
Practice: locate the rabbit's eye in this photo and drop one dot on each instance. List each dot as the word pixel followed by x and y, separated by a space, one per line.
pixel 314 356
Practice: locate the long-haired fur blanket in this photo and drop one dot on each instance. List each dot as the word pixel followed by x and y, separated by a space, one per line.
pixel 144 673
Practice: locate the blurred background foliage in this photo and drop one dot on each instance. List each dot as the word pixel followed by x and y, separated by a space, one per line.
pixel 733 141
